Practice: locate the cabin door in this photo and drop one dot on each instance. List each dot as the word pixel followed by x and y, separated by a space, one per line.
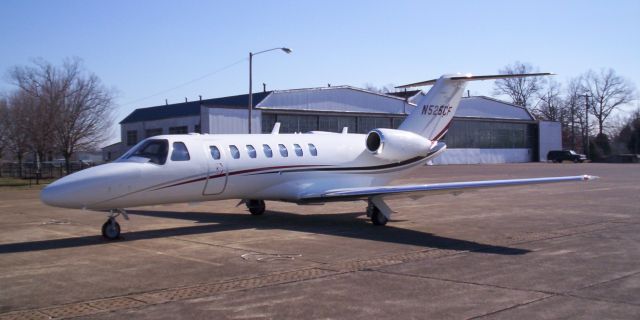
pixel 217 172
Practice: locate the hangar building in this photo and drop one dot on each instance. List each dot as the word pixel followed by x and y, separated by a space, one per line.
pixel 484 130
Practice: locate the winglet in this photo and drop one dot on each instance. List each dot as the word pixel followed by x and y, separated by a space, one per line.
pixel 276 128
pixel 345 130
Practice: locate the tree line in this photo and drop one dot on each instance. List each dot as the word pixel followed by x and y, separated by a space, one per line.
pixel 584 107
pixel 54 110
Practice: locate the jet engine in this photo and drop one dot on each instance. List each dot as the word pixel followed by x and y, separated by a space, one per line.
pixel 396 145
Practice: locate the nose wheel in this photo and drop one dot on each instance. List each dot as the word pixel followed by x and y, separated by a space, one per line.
pixel 111 229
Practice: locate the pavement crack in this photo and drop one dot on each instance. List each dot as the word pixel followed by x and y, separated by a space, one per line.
pixel 463 282
pixel 510 308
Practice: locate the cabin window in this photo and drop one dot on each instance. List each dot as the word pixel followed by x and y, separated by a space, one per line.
pixel 298 149
pixel 215 152
pixel 283 150
pixel 251 151
pixel 153 150
pixel 180 152
pixel 267 150
pixel 313 150
pixel 235 153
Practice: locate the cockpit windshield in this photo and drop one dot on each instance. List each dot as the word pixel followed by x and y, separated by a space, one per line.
pixel 155 150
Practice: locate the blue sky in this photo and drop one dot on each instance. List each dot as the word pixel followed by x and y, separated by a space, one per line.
pixel 144 47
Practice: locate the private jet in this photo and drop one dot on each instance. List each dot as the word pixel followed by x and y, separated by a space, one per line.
pixel 309 168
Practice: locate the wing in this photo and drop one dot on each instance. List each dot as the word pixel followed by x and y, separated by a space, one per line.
pixel 419 190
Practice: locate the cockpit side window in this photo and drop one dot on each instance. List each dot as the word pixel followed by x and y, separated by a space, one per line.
pixel 155 150
pixel 180 152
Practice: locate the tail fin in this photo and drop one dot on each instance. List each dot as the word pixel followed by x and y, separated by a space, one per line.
pixel 434 112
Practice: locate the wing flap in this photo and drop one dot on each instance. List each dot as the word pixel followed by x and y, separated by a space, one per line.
pixel 434 188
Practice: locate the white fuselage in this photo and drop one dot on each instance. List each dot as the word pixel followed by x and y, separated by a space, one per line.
pixel 340 160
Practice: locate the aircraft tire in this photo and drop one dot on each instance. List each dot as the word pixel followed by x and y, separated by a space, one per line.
pixel 111 230
pixel 377 218
pixel 256 207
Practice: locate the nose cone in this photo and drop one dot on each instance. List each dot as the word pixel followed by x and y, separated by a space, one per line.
pixel 87 187
pixel 56 195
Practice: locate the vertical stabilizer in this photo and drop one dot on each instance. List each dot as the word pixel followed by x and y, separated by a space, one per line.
pixel 433 114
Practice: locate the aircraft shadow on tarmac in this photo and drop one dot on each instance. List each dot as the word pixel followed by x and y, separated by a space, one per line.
pixel 342 225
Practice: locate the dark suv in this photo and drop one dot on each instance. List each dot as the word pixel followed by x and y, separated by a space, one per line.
pixel 561 155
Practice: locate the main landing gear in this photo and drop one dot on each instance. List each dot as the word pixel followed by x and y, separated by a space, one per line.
pixel 256 207
pixel 111 228
pixel 378 211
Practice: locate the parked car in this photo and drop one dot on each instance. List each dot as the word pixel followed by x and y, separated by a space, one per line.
pixel 558 156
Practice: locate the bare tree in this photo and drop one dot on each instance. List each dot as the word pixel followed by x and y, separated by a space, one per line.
pixel 575 105
pixel 15 123
pixel 551 106
pixel 520 90
pixel 85 116
pixel 608 91
pixel 72 109
pixel 4 110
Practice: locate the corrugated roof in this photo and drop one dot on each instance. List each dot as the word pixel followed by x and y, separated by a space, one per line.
pixel 485 107
pixel 334 99
pixel 192 108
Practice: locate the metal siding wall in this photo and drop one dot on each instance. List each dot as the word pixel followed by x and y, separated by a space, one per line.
pixel 550 138
pixel 228 120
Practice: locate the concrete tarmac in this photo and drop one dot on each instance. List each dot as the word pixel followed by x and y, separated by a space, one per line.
pixel 567 250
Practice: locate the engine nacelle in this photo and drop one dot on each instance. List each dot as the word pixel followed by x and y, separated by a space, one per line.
pixel 396 145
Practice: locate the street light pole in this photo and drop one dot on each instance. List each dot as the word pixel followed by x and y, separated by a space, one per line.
pixel 251 54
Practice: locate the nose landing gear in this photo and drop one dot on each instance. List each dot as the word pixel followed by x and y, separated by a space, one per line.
pixel 111 228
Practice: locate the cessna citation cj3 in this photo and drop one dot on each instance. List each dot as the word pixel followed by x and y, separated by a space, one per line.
pixel 300 168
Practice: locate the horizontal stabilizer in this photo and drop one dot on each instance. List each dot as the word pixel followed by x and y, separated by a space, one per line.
pixel 469 77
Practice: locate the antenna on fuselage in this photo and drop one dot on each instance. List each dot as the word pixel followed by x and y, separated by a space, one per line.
pixel 276 128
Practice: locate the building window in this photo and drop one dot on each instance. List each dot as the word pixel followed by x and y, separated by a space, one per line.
pixel 215 152
pixel 268 121
pixel 235 153
pixel 180 152
pixel 489 135
pixel 397 122
pixel 313 150
pixel 336 123
pixel 178 130
pixel 267 150
pixel 283 150
pixel 290 123
pixel 251 151
pixel 366 124
pixel 132 137
pixel 298 149
pixel 152 132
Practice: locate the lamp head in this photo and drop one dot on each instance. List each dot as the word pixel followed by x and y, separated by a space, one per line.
pixel 287 50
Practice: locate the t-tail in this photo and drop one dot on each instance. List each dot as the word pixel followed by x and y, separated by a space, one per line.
pixel 433 114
